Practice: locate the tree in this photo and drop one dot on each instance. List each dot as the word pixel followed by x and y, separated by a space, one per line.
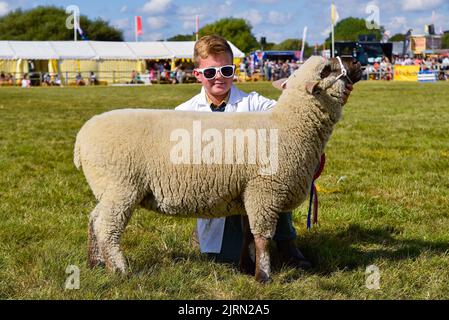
pixel 350 29
pixel 182 37
pixel 445 41
pixel 398 37
pixel 49 23
pixel 237 31
pixel 294 44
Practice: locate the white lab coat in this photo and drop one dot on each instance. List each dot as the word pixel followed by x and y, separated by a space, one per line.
pixel 210 231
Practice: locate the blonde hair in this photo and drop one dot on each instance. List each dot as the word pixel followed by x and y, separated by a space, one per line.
pixel 208 45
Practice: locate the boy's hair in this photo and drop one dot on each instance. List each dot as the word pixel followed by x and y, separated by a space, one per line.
pixel 208 45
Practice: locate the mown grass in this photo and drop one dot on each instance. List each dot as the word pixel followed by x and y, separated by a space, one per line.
pixel 384 200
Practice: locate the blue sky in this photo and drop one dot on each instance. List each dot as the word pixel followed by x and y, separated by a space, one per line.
pixel 275 19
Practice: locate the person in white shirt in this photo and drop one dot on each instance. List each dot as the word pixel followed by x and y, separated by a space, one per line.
pixel 222 238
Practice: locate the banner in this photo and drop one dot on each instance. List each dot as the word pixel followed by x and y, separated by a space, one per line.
pixel 139 31
pixel 406 73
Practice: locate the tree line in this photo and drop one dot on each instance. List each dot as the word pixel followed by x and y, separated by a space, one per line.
pixel 49 23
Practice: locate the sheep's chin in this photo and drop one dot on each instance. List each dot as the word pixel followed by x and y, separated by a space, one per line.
pixel 337 94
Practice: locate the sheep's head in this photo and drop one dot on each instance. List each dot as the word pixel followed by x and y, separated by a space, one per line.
pixel 327 79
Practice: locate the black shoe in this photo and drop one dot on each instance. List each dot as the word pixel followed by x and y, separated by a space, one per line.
pixel 291 256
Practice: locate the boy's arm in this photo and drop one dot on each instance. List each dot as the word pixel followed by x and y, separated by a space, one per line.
pixel 260 103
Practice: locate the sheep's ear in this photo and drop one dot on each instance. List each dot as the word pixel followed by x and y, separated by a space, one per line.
pixel 280 84
pixel 312 87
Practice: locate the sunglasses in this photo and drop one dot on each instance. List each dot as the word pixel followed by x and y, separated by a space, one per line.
pixel 211 73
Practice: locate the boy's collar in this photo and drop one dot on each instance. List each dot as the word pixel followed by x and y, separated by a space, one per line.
pixel 234 96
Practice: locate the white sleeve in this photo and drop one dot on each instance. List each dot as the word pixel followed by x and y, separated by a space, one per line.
pixel 260 103
pixel 187 106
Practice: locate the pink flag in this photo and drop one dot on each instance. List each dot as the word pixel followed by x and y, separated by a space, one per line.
pixel 139 31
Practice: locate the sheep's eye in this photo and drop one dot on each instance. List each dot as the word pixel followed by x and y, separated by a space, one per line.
pixel 326 72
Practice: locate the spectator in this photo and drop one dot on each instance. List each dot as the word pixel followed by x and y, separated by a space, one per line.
pixel 26 83
pixel 57 81
pixel 92 79
pixel 133 77
pixel 46 79
pixel 79 79
pixel 9 79
pixel 179 74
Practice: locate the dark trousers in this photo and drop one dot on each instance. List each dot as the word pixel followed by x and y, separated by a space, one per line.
pixel 233 237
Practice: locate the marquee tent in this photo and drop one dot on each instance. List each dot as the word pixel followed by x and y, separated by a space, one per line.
pixel 113 60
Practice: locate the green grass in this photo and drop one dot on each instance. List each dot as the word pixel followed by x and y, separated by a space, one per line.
pixel 391 208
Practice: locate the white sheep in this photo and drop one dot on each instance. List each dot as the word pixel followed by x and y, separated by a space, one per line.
pixel 134 157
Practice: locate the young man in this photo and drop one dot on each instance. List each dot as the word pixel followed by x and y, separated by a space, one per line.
pixel 222 238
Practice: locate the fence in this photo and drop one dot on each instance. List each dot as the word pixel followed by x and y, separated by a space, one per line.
pixel 126 77
pixel 102 78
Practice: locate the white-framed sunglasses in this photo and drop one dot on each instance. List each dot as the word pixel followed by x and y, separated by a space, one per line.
pixel 211 72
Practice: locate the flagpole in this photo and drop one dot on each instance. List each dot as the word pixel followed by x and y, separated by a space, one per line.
pixel 197 24
pixel 75 27
pixel 135 28
pixel 304 35
pixel 333 35
pixel 333 41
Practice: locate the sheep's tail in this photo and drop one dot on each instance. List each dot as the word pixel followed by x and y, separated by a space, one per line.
pixel 77 154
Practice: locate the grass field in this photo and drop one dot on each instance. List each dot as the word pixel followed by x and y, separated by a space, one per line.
pixel 384 201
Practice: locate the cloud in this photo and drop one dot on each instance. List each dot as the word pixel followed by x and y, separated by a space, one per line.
pixel 124 9
pixel 153 36
pixel 4 8
pixel 157 22
pixel 156 6
pixel 420 5
pixel 264 1
pixel 397 25
pixel 279 18
pixel 121 23
pixel 253 16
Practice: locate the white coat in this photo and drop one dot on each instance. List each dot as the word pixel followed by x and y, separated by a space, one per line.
pixel 210 231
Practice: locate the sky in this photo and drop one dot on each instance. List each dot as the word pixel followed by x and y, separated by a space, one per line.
pixel 276 20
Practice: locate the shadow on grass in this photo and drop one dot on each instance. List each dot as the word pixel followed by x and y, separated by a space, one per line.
pixel 329 251
pixel 358 246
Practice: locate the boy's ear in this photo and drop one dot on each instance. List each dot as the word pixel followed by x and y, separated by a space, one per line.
pixel 196 74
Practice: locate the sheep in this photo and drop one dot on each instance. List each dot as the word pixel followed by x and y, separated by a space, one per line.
pixel 133 157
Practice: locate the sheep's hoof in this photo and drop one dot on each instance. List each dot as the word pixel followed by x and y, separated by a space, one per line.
pixel 93 263
pixel 262 277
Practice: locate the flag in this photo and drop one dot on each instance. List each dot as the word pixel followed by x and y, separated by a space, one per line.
pixel 334 14
pixel 78 28
pixel 139 31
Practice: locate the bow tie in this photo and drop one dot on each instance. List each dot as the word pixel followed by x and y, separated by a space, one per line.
pixel 219 108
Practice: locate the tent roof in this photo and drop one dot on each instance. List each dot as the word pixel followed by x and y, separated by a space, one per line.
pixel 33 50
pixel 109 50
pixel 150 50
pixel 73 50
pixel 6 51
pixel 106 50
pixel 180 49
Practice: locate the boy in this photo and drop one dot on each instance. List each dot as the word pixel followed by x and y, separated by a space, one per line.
pixel 222 238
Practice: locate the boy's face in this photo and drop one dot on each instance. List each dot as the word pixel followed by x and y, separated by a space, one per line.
pixel 219 86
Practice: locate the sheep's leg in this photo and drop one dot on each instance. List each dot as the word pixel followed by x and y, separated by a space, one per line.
pixel 262 259
pixel 114 213
pixel 95 256
pixel 262 220
pixel 247 258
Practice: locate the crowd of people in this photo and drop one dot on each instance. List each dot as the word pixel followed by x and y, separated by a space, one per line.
pixel 270 70
pixel 384 69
